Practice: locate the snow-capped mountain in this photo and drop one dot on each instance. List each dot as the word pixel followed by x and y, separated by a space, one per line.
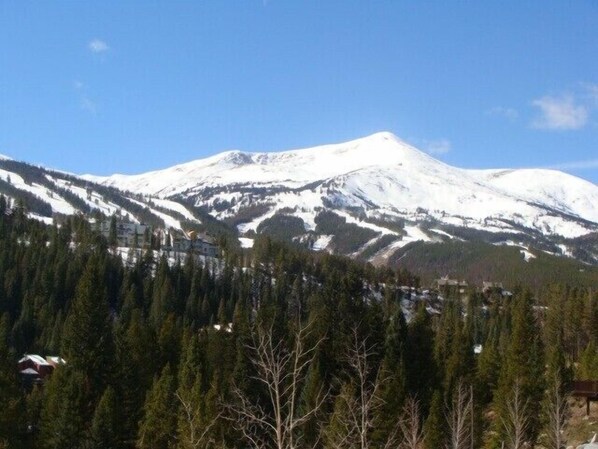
pixel 49 194
pixel 367 198
pixel 380 184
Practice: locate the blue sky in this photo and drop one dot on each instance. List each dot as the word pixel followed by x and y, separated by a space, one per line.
pixel 131 86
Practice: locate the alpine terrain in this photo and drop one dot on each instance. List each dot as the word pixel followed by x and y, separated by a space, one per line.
pixel 373 196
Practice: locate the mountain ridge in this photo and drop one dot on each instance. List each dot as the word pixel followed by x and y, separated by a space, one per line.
pixel 372 196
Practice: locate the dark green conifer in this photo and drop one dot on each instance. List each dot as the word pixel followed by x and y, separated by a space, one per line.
pixel 105 426
pixel 157 429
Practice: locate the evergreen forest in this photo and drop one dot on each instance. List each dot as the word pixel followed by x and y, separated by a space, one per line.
pixel 274 347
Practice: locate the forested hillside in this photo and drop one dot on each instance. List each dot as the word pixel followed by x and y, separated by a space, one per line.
pixel 272 348
pixel 478 261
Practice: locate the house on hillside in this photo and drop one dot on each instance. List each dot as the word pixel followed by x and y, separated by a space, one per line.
pixel 448 285
pixel 128 235
pixel 494 290
pixel 195 243
pixel 35 369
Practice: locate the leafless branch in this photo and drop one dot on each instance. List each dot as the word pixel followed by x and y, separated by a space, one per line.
pixel 459 417
pixel 556 412
pixel 283 372
pixel 517 420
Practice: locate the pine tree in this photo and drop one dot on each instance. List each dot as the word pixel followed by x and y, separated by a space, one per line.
pixel 11 424
pixel 157 429
pixel 435 425
pixel 65 408
pixel 419 359
pixel 523 366
pixel 112 235
pixel 312 394
pixel 588 363
pixel 393 388
pixel 105 427
pixel 87 343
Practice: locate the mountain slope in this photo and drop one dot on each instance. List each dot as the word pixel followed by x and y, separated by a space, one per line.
pixel 49 194
pixel 382 184
pixel 366 198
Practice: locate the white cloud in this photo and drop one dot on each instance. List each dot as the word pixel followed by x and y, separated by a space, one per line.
pixel 560 113
pixel 500 111
pixel 98 46
pixel 436 147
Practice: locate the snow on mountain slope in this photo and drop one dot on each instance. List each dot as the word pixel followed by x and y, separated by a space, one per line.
pixel 57 203
pixel 46 193
pixel 553 188
pixel 382 175
pixel 293 168
pixel 367 198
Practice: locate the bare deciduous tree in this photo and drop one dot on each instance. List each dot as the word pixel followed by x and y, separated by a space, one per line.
pixel 358 401
pixel 556 413
pixel 196 432
pixel 411 430
pixel 282 372
pixel 459 418
pixel 517 420
pixel 352 428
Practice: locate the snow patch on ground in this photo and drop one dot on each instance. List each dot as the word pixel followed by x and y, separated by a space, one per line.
pixel 527 256
pixel 169 222
pixel 525 251
pixel 46 220
pixel 176 207
pixel 246 242
pixel 253 224
pixel 96 201
pixel 58 204
pixel 565 250
pixel 415 234
pixel 364 224
pixel 322 242
pixel 446 234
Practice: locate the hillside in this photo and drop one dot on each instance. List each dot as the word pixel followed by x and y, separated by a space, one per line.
pixel 370 197
pixel 476 262
pixel 49 195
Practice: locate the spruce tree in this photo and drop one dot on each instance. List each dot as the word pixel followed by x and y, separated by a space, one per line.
pixel 420 366
pixel 435 424
pixel 106 424
pixel 157 429
pixel 87 343
pixel 393 388
pixel 65 416
pixel 523 367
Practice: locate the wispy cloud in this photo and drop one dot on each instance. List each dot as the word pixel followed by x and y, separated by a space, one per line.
pixel 436 147
pixel 98 46
pixel 87 104
pixel 591 91
pixel 576 165
pixel 500 111
pixel 559 113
